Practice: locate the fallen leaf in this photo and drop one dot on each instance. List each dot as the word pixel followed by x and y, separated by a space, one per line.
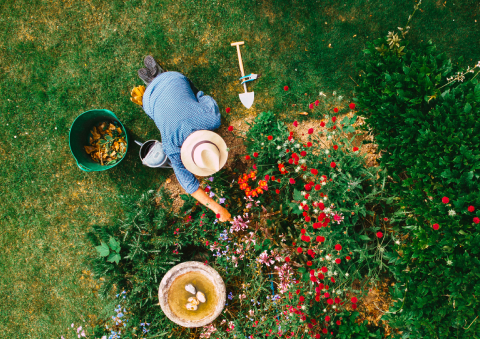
pixel 303 113
pixel 168 180
pixel 89 149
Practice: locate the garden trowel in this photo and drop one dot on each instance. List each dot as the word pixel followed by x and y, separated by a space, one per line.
pixel 247 97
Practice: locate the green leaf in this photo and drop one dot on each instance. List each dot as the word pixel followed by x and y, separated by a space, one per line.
pixel 476 94
pixel 467 108
pixel 114 245
pixel 364 237
pixel 297 195
pixel 103 249
pixel 114 257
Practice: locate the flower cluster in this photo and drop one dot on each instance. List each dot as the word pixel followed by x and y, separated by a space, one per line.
pixel 244 186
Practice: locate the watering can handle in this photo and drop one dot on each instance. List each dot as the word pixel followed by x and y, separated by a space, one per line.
pixel 138 143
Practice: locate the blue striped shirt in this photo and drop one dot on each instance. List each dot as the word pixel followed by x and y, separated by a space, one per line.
pixel 171 103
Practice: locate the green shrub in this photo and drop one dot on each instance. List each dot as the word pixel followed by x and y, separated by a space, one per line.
pixel 426 119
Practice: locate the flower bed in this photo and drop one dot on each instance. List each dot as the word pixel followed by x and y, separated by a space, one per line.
pixel 310 232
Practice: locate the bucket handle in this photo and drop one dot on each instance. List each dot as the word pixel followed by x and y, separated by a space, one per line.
pixel 138 143
pixel 83 168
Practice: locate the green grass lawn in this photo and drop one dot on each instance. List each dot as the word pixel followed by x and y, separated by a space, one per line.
pixel 61 58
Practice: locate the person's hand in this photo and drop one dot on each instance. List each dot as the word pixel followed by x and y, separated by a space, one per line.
pixel 223 215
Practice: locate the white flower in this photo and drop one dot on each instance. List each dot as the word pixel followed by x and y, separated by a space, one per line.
pixel 334 307
pixel 297 169
pixel 323 183
pixel 325 198
pixel 327 210
pixel 323 94
pixel 340 97
pixel 303 307
pixel 297 145
pixel 279 162
pixel 449 262
pixel 263 144
pixel 329 137
pixel 335 273
pixel 302 161
pixel 324 310
pixel 329 273
pixel 304 202
pixel 327 151
pixel 303 192
pixel 451 213
pixel 334 92
pixel 328 257
pixel 346 274
pixel 315 211
pixel 279 147
pixel 381 249
pixel 300 207
pixel 397 242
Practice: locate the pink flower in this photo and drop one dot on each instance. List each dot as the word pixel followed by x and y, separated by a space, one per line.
pixel 295 123
pixel 310 106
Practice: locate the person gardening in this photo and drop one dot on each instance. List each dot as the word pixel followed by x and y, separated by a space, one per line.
pixel 185 118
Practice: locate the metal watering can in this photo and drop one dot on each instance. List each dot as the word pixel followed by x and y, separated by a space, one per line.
pixel 152 154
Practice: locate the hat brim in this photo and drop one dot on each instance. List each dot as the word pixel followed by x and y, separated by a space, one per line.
pixel 192 140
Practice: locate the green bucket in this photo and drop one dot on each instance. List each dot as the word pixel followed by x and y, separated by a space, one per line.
pixel 80 133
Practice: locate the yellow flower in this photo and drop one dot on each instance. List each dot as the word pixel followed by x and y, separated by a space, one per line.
pixel 137 95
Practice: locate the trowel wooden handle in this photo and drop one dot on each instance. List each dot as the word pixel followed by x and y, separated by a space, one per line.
pixel 239 55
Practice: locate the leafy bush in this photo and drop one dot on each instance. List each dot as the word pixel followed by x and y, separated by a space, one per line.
pixel 425 114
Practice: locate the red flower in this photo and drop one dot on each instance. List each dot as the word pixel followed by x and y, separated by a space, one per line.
pixel 285 88
pixel 309 144
pixel 267 177
pixel 295 123
pixel 348 257
pixel 302 298
pixel 317 102
pixel 334 119
pixel 322 124
pixel 255 154
pixel 291 180
pixel 307 219
pixel 338 322
pixel 310 106
pixel 335 147
pixel 309 263
pixel 287 259
pixel 230 128
pixel 217 215
pixel 227 109
pixel 303 153
pixel 338 260
pixel 355 149
pixel 386 219
pixel 320 238
pixel 207 189
pixel 270 137
pixel 338 247
pixel 435 226
pixel 317 187
pixel 334 127
pixel 325 331
pixel 352 106
pixel 310 130
pixel 254 166
pixel 445 200
pixel 297 291
pixel 471 208
pixel 324 269
pixel 314 171
pixel 327 318
pixel 476 220
pixel 332 164
pixel 354 306
pixel 354 300
pixel 277 191
pixel 247 157
pixel 335 110
pixel 379 234
pixel 330 301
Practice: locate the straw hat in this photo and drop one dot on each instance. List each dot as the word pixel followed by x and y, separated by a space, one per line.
pixel 204 153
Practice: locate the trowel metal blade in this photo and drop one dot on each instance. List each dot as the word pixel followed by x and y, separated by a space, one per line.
pixel 247 99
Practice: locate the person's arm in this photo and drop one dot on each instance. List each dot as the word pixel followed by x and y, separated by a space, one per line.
pixel 205 200
pixel 191 185
pixel 208 102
